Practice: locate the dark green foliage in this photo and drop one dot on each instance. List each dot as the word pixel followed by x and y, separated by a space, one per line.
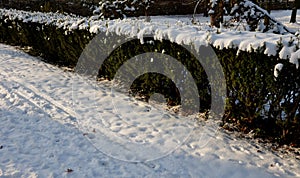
pixel 256 100
pixel 150 83
pixel 46 40
pixel 125 52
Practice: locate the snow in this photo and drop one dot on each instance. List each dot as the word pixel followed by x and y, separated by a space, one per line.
pixel 45 131
pixel 52 119
pixel 284 16
pixel 177 29
pixel 211 11
pixel 286 52
pixel 295 58
pixel 278 67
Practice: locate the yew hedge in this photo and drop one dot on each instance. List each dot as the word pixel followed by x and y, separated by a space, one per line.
pixel 256 100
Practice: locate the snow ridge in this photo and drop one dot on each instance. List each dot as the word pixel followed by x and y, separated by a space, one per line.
pixel 285 46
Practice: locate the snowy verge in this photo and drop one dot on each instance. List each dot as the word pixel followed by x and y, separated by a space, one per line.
pixel 40 139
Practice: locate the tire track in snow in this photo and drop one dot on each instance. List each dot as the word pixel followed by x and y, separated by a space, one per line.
pixel 32 95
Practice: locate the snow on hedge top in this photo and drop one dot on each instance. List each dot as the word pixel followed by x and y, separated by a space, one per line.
pixel 285 46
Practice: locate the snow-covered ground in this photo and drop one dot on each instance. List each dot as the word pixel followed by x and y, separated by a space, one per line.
pixel 284 16
pixel 280 15
pixel 52 119
pixel 40 136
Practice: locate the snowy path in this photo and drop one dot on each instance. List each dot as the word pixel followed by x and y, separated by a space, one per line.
pixel 41 133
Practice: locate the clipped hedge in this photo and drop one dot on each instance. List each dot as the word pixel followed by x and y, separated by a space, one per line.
pixel 256 100
pixel 155 83
pixel 48 41
pixel 259 101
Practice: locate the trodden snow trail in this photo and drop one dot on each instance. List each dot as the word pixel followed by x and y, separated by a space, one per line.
pixel 40 133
